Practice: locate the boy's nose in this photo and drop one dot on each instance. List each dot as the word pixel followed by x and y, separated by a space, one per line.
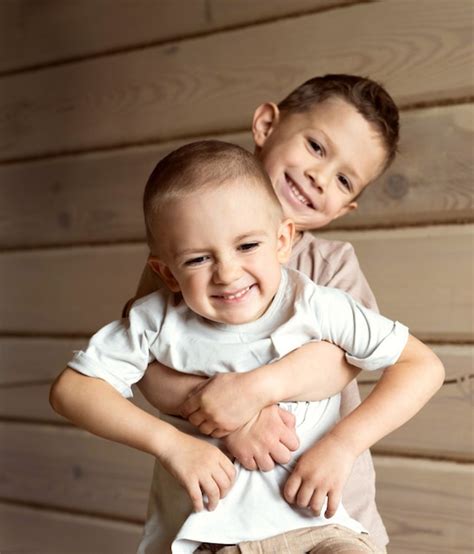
pixel 226 272
pixel 320 179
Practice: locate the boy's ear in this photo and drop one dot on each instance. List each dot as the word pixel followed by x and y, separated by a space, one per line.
pixel 286 235
pixel 164 272
pixel 265 119
pixel 346 209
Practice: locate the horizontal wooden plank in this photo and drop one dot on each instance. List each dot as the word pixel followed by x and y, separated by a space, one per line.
pixel 421 276
pixel 25 361
pixel 426 505
pixel 70 281
pixel 64 467
pixel 212 84
pixel 35 33
pixel 97 198
pixel 443 428
pixel 28 530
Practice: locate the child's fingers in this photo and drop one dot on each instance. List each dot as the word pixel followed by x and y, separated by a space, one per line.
pixel 195 495
pixel 190 406
pixel 196 418
pixel 280 454
pixel 249 463
pixel 287 418
pixel 291 488
pixel 229 469
pixel 206 427
pixel 317 501
pixel 211 490
pixel 304 495
pixel 223 481
pixel 334 499
pixel 265 462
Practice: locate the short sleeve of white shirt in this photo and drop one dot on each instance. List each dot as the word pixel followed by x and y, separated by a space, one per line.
pixel 119 353
pixel 370 340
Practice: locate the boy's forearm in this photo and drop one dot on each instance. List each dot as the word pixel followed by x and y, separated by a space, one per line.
pixel 96 406
pixel 167 389
pixel 401 392
pixel 314 371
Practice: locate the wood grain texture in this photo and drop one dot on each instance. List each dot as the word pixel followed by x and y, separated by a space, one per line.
pixel 64 468
pixel 426 506
pixel 422 276
pixel 29 530
pixel 27 361
pixel 57 30
pixel 97 197
pixel 421 51
pixel 67 285
pixel 67 468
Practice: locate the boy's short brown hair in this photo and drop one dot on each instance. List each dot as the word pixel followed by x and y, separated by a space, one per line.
pixel 197 166
pixel 369 98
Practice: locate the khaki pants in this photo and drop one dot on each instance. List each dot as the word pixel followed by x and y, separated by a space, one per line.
pixel 327 539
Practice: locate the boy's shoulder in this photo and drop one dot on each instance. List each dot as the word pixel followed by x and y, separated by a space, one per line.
pixel 323 256
pixel 332 263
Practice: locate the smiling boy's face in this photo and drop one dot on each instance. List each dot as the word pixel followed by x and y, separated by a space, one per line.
pixel 318 160
pixel 222 248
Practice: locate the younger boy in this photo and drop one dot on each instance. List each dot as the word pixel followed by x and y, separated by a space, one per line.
pixel 218 237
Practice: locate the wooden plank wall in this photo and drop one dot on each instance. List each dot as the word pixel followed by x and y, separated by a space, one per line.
pixel 92 93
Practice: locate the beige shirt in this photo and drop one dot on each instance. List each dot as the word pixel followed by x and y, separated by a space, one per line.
pixel 332 264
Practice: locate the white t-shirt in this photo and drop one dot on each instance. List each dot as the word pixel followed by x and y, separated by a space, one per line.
pixel 162 328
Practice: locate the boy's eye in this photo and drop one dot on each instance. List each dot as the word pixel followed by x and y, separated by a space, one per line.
pixel 345 182
pixel 315 146
pixel 196 261
pixel 247 246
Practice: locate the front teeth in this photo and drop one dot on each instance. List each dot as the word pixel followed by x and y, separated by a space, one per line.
pixel 236 295
pixel 298 195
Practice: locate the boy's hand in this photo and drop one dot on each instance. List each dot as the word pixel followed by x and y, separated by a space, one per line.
pixel 268 438
pixel 200 467
pixel 321 471
pixel 223 403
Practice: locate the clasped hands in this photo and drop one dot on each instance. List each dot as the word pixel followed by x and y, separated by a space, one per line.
pixel 259 436
pixel 227 406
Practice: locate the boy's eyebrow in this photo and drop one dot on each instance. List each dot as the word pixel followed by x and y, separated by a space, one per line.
pixel 250 234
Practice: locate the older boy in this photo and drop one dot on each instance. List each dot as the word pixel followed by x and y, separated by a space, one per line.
pixel 322 145
pixel 218 237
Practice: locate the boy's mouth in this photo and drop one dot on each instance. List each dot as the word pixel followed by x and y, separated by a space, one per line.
pixel 297 193
pixel 235 295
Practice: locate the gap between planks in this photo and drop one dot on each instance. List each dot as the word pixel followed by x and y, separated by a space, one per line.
pixel 190 137
pixel 178 39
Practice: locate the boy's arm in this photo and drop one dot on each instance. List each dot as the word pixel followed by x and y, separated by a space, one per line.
pixel 222 404
pixel 401 392
pixel 96 406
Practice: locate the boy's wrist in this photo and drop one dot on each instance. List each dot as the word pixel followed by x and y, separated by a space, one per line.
pixel 164 440
pixel 267 385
